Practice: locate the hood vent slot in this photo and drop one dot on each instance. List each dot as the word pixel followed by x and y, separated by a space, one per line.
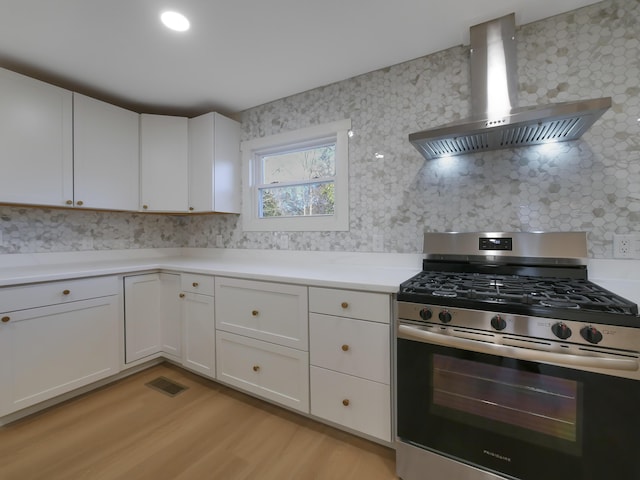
pixel 493 63
pixel 553 131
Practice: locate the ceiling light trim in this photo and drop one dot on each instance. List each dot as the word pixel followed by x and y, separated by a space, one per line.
pixel 175 21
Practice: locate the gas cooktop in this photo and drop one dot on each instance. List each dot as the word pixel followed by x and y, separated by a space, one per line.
pixel 541 274
pixel 566 298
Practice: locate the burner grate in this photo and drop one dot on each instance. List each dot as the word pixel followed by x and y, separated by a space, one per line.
pixel 555 294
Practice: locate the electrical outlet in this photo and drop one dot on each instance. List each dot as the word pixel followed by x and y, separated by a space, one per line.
pixel 378 242
pixel 626 246
pixel 283 242
pixel 1 238
pixel 219 241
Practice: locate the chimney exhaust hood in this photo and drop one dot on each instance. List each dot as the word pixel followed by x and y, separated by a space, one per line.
pixel 496 120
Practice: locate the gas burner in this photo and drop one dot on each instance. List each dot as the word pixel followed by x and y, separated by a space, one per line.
pixel 558 304
pixel 445 293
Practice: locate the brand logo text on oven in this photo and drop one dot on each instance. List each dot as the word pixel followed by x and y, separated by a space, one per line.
pixel 496 455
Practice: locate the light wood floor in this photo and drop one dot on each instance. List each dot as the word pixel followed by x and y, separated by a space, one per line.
pixel 129 431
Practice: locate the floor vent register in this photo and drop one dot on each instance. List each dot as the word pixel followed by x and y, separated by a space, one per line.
pixel 166 386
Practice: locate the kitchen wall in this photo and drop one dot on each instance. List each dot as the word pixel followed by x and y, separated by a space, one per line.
pixel 592 184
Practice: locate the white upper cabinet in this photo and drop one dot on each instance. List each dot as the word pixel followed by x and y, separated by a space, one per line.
pixel 106 155
pixel 35 142
pixel 214 164
pixel 164 177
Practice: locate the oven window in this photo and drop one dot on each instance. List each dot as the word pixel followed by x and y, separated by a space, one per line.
pixel 527 405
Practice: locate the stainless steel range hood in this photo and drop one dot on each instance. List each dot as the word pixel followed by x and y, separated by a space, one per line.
pixel 497 121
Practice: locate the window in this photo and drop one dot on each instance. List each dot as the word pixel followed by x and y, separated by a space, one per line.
pixel 297 181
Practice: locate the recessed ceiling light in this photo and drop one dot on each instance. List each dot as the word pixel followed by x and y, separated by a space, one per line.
pixel 175 21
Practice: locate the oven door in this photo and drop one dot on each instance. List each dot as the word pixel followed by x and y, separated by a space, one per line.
pixel 516 418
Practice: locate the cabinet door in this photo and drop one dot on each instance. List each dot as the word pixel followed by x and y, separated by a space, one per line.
pixel 271 371
pixel 214 164
pixel 35 142
pixel 105 155
pixel 48 351
pixel 354 402
pixel 375 307
pixel 198 334
pixel 164 174
pixel 142 316
pixel 356 347
pixel 273 312
pixel 170 315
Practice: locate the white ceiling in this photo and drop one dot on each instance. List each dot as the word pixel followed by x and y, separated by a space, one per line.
pixel 238 53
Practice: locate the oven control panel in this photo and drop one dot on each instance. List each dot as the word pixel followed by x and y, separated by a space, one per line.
pixel 566 331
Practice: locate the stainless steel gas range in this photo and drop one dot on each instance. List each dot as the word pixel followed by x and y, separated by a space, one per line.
pixel 512 364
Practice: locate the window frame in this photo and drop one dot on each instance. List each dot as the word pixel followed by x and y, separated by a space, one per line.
pixel 254 150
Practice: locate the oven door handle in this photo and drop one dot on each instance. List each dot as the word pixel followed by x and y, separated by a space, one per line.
pixel 564 359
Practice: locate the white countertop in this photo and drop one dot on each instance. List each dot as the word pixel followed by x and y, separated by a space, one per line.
pixel 375 272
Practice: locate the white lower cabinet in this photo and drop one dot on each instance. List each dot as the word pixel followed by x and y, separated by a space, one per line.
pixel 356 403
pixel 152 315
pixel 262 335
pixel 269 311
pixel 50 350
pixel 198 324
pixel 274 372
pixel 170 316
pixel 350 344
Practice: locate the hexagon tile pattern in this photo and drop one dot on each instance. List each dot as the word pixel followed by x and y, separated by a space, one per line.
pixel 592 184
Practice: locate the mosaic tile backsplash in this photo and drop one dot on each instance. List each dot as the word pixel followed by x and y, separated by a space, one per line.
pixel 592 184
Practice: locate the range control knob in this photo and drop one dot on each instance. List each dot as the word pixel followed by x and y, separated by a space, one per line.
pixel 444 316
pixel 498 322
pixel 561 330
pixel 591 334
pixel 425 313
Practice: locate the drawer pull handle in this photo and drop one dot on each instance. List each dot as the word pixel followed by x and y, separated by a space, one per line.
pixel 66 292
pixel 344 305
pixel 256 368
pixel 345 348
pixel 181 295
pixel 195 284
pixel 5 319
pixel 255 313
pixel 345 402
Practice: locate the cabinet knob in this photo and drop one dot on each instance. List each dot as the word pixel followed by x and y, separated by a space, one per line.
pixel 5 319
pixel 255 313
pixel 191 209
pixel 195 284
pixel 79 203
pixel 69 202
pixel 344 305
pixel 66 292
pixel 256 368
pixel 181 295
pixel 345 402
pixel 345 348
pixel 144 207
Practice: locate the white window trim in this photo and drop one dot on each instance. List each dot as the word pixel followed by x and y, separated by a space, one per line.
pixel 251 151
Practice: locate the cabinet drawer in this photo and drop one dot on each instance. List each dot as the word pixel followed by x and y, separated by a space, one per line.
pixel 194 283
pixel 273 312
pixel 52 293
pixel 350 346
pixel 375 307
pixel 361 405
pixel 271 371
